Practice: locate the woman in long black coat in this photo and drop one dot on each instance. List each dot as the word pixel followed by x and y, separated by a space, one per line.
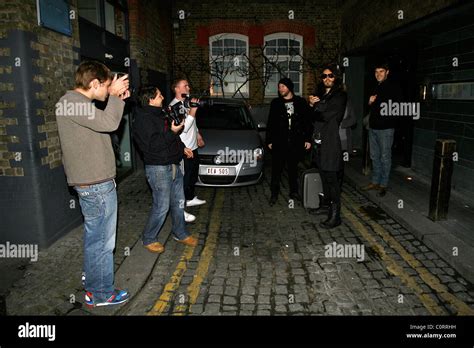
pixel 329 106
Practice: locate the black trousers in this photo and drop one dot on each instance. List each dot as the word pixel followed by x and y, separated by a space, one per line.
pixel 332 183
pixel 191 172
pixel 331 194
pixel 278 163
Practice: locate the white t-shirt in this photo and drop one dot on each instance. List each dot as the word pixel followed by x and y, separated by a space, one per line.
pixel 190 130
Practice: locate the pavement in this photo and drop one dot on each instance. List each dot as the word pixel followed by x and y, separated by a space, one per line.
pixel 253 259
pixel 408 202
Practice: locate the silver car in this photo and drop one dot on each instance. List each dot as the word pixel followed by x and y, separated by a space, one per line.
pixel 233 153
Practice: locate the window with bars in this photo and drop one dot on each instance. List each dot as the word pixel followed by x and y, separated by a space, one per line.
pixel 283 58
pixel 228 59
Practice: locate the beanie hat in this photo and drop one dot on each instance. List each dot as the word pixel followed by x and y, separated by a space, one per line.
pixel 288 83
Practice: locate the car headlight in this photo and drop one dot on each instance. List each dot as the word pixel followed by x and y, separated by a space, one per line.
pixel 258 153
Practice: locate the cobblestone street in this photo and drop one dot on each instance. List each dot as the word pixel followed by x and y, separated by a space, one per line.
pixel 253 259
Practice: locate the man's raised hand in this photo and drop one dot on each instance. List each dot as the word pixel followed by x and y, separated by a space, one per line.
pixel 119 86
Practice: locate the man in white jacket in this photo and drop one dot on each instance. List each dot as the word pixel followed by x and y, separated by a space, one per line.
pixel 192 139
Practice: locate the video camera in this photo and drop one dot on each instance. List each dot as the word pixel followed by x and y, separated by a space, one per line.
pixel 188 104
pixel 177 112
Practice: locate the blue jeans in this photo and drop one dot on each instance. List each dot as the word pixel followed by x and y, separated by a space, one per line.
pixel 166 183
pixel 380 142
pixel 99 208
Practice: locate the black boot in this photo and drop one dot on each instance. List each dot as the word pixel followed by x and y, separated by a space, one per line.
pixel 323 205
pixel 334 216
pixel 328 217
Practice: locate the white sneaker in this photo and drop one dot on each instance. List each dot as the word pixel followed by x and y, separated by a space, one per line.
pixel 189 217
pixel 195 201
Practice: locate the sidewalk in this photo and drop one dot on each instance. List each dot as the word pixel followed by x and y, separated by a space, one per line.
pixel 442 236
pixel 52 285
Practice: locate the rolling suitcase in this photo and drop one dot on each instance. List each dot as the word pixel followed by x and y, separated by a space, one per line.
pixel 311 187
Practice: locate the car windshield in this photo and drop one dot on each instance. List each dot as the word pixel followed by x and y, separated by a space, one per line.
pixel 224 116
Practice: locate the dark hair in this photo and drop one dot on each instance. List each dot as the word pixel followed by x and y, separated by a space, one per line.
pixel 321 89
pixel 90 70
pixel 382 65
pixel 146 93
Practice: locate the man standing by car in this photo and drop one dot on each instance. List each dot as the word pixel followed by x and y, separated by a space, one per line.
pixel 192 139
pixel 381 130
pixel 288 136
pixel 158 139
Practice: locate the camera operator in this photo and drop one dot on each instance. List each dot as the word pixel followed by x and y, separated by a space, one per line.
pixel 157 137
pixel 89 164
pixel 192 139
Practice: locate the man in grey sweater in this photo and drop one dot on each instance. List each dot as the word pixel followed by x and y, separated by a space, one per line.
pixel 89 163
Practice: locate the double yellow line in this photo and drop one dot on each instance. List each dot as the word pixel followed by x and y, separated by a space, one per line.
pixel 393 267
pixel 165 299
pixel 169 291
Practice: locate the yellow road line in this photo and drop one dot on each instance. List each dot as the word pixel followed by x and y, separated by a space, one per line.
pixel 393 267
pixel 169 289
pixel 206 256
pixel 168 292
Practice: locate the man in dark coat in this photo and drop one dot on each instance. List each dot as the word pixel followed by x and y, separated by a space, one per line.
pixel 288 136
pixel 329 105
pixel 382 129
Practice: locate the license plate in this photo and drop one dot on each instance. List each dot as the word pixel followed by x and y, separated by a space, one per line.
pixel 217 171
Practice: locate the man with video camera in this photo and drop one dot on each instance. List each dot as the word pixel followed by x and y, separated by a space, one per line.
pixel 157 137
pixel 192 139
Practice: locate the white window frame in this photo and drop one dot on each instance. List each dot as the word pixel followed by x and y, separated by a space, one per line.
pixel 272 91
pixel 232 77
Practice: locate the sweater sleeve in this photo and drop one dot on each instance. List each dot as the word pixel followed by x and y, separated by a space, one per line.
pixel 106 120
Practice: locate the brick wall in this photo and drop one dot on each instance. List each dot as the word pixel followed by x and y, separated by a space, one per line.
pixel 53 65
pixel 317 21
pixel 37 67
pixel 8 119
pixel 150 36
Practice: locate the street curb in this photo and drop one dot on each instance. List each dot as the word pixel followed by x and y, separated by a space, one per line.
pixel 134 272
pixel 432 234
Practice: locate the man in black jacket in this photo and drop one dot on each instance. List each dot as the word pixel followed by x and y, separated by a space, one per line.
pixel 381 129
pixel 157 138
pixel 329 105
pixel 288 135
